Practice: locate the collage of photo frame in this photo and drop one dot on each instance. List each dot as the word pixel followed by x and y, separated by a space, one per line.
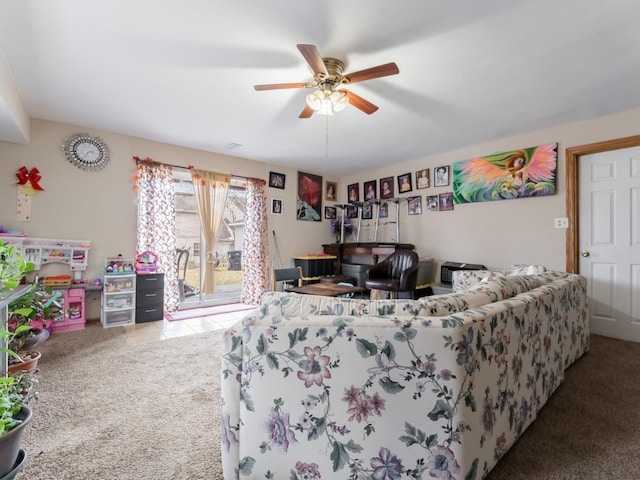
pixel 385 188
pixel 508 180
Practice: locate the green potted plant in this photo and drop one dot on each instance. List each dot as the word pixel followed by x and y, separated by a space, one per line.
pixel 30 316
pixel 15 390
pixel 13 266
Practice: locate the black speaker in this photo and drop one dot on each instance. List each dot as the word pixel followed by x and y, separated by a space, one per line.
pixel 447 269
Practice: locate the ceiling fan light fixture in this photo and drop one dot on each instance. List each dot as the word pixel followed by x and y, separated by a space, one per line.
pixel 315 99
pixel 326 102
pixel 339 100
pixel 326 108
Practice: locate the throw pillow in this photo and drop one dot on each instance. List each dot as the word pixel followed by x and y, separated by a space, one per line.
pixel 518 269
pixel 462 280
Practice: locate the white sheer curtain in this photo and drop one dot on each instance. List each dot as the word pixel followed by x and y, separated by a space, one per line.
pixel 211 190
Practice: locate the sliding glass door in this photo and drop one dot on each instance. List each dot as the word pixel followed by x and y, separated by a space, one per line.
pixel 227 251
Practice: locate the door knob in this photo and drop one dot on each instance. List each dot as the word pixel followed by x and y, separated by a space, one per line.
pixel 584 253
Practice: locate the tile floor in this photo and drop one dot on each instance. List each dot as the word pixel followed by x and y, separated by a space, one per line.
pixel 163 329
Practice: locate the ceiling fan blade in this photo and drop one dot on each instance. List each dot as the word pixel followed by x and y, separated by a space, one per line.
pixel 307 112
pixel 373 72
pixel 313 58
pixel 360 103
pixel 277 86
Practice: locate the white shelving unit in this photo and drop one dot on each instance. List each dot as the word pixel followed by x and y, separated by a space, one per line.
pixel 42 251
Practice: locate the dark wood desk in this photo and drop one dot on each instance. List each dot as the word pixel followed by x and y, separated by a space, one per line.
pixel 368 248
pixel 325 289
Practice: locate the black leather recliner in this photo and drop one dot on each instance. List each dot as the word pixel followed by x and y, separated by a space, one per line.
pixel 398 273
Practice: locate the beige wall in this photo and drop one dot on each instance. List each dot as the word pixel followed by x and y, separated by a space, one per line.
pixel 498 233
pixel 101 206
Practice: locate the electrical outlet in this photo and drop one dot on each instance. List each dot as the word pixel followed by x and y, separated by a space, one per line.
pixel 562 222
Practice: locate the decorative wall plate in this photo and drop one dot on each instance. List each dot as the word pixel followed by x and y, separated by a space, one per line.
pixel 86 152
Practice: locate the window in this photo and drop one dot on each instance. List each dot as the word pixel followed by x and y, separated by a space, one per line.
pixel 230 239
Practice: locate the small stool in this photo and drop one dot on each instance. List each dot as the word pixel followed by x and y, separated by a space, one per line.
pixel 337 279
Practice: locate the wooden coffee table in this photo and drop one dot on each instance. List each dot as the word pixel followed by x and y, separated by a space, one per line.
pixel 325 289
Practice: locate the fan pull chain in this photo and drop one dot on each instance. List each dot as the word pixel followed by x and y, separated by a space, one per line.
pixel 326 138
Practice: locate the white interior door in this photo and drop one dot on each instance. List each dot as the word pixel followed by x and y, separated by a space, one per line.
pixel 610 240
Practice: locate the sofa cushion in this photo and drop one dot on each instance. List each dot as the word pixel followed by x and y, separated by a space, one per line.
pixel 481 293
pixel 513 285
pixel 521 269
pixel 463 279
pixel 283 304
pixel 441 305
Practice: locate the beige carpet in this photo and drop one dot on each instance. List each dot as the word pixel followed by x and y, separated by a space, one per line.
pixel 590 428
pixel 111 411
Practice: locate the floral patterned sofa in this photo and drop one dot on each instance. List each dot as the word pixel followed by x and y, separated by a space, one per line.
pixel 439 387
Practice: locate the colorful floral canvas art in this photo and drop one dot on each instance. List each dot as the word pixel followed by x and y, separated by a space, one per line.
pixel 309 201
pixel 530 172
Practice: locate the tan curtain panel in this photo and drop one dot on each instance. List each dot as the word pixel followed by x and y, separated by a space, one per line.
pixel 211 190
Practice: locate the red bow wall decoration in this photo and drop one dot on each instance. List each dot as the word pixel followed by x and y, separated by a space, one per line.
pixel 32 176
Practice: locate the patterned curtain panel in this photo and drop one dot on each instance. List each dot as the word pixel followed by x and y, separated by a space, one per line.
pixel 256 245
pixel 211 196
pixel 157 223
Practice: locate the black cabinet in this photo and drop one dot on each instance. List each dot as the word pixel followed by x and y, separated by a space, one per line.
pixel 149 297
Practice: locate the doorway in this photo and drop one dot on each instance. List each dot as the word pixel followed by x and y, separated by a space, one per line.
pixel 595 222
pixel 227 251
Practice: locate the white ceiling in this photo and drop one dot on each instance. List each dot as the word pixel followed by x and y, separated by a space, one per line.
pixel 183 71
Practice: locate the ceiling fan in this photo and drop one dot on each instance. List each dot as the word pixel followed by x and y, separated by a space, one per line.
pixel 328 80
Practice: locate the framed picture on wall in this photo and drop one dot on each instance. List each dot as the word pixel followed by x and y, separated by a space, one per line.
pixel 383 211
pixel 422 178
pixel 330 213
pixel 309 201
pixel 441 176
pixel 276 206
pixel 415 205
pixel 367 211
pixel 370 190
pixel 331 191
pixel 432 203
pixel 353 192
pixel 386 188
pixel 352 211
pixel 445 201
pixel 404 183
pixel 276 180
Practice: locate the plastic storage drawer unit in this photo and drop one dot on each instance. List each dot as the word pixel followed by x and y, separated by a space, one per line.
pixel 118 300
pixel 116 318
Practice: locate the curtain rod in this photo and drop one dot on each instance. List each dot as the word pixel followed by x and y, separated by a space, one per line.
pixel 138 159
